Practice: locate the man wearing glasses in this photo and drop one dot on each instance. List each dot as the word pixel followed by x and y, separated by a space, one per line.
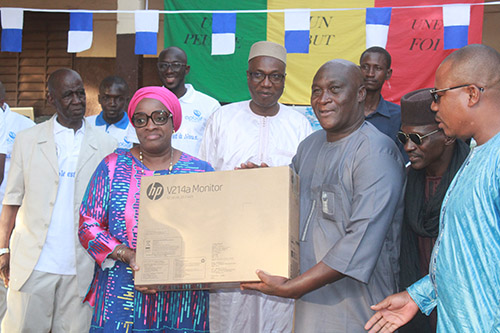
pixel 114 97
pixel 435 159
pixel 196 106
pixel 259 132
pixel 463 274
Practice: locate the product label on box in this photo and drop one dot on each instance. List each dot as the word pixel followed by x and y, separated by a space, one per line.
pixel 189 268
pixel 222 262
pixel 162 247
pixel 155 270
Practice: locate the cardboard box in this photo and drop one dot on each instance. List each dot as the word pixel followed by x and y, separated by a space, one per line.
pixel 213 230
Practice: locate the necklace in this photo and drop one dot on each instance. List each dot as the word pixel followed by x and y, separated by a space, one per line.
pixel 171 166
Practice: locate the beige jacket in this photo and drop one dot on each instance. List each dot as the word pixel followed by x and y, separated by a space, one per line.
pixel 32 184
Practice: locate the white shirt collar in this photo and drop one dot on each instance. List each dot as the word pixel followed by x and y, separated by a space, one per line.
pixel 60 128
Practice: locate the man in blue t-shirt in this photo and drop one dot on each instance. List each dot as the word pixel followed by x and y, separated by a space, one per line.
pixel 113 97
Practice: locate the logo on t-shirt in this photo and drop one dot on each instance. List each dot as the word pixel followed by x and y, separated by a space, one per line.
pixel 11 137
pixel 196 117
pixel 125 143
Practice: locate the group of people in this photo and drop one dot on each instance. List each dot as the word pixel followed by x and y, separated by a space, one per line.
pixel 369 227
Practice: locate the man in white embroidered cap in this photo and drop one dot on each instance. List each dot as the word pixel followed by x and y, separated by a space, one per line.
pixel 263 132
pixel 259 130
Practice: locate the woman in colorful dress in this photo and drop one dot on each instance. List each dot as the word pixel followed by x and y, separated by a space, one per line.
pixel 108 225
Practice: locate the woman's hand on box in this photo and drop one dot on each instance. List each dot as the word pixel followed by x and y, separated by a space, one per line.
pixel 146 290
pixel 251 165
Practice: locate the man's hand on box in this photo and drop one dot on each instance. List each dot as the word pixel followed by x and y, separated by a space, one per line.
pixel 251 165
pixel 270 284
pixel 316 277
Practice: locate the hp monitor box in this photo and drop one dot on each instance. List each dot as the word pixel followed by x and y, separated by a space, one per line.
pixel 213 230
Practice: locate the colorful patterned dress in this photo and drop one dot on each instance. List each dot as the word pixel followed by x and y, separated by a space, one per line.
pixel 108 217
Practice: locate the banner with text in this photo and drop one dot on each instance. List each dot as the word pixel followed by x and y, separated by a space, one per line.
pixel 415 41
pixel 416 45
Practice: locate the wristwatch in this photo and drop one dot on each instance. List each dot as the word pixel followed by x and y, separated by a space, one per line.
pixel 4 251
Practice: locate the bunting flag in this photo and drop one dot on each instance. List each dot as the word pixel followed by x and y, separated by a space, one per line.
pixel 456 20
pixel 12 29
pixel 297 26
pixel 146 31
pixel 80 32
pixel 332 34
pixel 415 42
pixel 377 26
pixel 223 33
pixel 223 77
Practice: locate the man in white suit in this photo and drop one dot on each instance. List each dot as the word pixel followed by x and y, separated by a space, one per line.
pixel 46 268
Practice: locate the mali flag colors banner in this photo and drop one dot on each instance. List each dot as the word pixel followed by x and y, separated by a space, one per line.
pixel 415 41
pixel 416 44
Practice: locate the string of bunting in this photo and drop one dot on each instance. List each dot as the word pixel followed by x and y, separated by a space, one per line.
pixel 296 25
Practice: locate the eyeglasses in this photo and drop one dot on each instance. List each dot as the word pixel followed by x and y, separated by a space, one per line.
pixel 434 92
pixel 415 137
pixel 273 77
pixel 159 117
pixel 175 66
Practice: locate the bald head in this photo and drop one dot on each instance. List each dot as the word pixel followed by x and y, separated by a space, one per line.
pixel 172 70
pixel 342 67
pixel 469 94
pixel 59 76
pixel 475 64
pixel 173 51
pixel 337 98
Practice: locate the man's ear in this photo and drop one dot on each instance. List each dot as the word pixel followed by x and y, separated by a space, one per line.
pixel 50 99
pixel 361 93
pixel 388 75
pixel 474 95
pixel 188 68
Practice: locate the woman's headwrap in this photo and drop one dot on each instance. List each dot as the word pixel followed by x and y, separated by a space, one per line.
pixel 161 94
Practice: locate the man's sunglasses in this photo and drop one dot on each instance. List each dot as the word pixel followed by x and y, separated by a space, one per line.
pixel 434 92
pixel 415 137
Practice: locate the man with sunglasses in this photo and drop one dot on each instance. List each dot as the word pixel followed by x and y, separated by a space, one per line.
pixel 196 106
pixel 435 159
pixel 259 131
pixel 463 274
pixel 114 97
